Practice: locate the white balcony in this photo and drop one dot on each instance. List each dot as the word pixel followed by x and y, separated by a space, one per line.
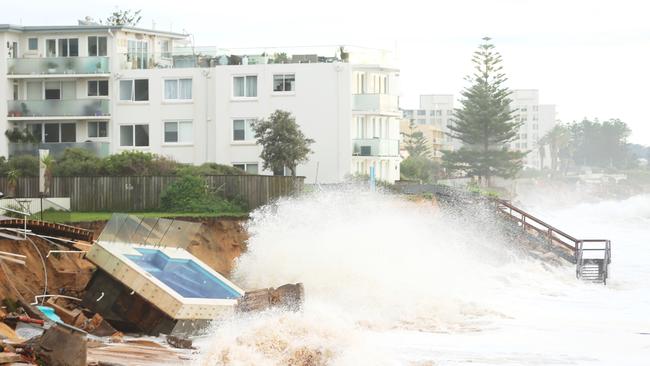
pixel 376 147
pixel 375 103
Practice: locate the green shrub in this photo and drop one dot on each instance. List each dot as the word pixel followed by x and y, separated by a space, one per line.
pixel 25 165
pixel 77 162
pixel 208 169
pixel 191 193
pixel 129 163
pixel 420 168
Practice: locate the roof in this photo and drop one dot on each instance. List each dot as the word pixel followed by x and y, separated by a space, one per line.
pixel 85 28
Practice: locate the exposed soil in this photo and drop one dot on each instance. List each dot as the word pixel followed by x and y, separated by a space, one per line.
pixel 66 273
pixel 219 243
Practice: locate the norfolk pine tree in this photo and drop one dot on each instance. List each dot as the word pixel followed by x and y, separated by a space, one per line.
pixel 485 123
pixel 415 143
pixel 283 144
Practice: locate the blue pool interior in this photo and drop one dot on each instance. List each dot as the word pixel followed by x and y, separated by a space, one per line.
pixel 184 276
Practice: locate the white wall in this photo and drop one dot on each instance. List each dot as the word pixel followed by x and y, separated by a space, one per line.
pixel 156 111
pixel 321 105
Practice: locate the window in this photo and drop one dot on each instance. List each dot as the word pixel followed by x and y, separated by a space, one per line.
pixel 55 132
pixel 245 86
pixel 134 135
pixel 98 88
pixel 50 47
pixel 178 132
pixel 97 129
pixel 138 54
pixel 284 82
pixel 68 132
pixel 59 90
pixel 178 89
pixel 241 129
pixel 422 112
pixel 32 44
pixel 250 168
pixel 134 90
pixel 164 49
pixel 97 46
pixel 68 47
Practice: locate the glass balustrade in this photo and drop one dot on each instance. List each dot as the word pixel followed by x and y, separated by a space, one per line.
pixel 97 148
pixel 58 108
pixel 376 147
pixel 58 65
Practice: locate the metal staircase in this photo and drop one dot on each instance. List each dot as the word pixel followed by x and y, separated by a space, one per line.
pixel 591 256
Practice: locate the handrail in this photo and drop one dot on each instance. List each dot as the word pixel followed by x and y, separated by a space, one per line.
pixel 549 230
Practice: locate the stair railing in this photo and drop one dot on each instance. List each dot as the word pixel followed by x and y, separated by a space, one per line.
pixel 557 236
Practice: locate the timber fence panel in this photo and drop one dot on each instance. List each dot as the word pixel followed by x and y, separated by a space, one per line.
pixel 142 193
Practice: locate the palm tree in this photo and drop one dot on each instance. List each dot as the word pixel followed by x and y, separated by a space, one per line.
pixel 557 140
pixel 48 161
pixel 12 182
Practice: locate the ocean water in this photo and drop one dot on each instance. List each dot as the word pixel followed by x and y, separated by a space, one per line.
pixel 393 282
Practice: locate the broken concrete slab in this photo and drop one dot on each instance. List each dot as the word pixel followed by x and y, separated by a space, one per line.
pixel 62 345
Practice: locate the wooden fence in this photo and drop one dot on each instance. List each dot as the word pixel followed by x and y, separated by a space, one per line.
pixel 143 193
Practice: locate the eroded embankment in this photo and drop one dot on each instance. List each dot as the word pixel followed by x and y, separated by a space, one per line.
pixel 219 242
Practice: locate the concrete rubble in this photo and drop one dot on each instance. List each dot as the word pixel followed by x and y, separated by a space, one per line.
pixel 135 291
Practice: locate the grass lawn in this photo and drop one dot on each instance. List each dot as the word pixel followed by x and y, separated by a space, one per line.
pixel 60 216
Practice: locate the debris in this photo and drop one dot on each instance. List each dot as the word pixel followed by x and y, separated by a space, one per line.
pixel 49 313
pixel 178 342
pixel 6 332
pixel 289 296
pixel 62 345
pixel 9 357
pixel 13 319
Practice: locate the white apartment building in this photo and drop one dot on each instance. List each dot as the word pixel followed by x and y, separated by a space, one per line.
pixel 115 88
pixel 537 120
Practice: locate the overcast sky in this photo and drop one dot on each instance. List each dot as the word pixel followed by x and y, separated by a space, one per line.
pixel 590 58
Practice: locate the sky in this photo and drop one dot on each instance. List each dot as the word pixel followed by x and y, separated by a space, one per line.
pixel 590 58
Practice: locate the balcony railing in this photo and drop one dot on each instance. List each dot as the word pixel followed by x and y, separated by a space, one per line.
pixel 99 149
pixel 58 108
pixel 376 147
pixel 375 103
pixel 58 65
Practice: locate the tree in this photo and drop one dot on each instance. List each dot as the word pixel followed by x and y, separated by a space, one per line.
pixel 557 139
pixel 415 142
pixel 420 168
pixel 600 144
pixel 283 144
pixel 124 17
pixel 485 122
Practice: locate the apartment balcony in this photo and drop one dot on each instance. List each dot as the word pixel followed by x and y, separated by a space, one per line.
pixel 46 67
pixel 375 103
pixel 99 149
pixel 376 147
pixel 19 110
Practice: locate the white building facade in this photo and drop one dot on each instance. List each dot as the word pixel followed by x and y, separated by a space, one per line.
pixel 537 119
pixel 110 89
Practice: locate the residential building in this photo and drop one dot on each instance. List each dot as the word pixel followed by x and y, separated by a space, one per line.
pixel 437 110
pixel 434 135
pixel 432 119
pixel 116 88
pixel 537 120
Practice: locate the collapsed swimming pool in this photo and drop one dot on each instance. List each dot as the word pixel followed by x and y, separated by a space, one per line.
pixel 184 276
